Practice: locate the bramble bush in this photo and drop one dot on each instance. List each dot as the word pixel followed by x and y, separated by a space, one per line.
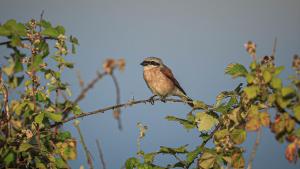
pixel 35 104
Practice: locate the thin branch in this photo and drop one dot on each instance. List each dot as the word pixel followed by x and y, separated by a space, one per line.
pixel 87 153
pixel 88 87
pixel 182 162
pixel 100 154
pixel 254 149
pixel 81 82
pixel 102 110
pixel 117 112
pixel 26 39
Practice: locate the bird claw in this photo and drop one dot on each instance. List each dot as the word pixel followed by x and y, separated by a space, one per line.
pixel 151 100
pixel 163 100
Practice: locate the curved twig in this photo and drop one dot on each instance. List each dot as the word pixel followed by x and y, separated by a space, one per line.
pixel 117 112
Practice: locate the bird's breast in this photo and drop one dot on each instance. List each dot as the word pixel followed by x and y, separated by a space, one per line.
pixel 158 83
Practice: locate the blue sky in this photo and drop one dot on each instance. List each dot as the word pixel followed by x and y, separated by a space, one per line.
pixel 196 38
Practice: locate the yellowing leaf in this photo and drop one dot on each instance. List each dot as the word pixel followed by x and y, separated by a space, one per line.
pixel 251 91
pixel 39 118
pixel 291 152
pixel 276 83
pixel 267 76
pixel 265 119
pixel 238 161
pixel 205 121
pixel 207 160
pixel 24 147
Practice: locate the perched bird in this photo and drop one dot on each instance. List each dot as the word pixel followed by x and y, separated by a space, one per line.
pixel 161 81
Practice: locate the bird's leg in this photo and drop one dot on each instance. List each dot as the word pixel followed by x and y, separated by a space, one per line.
pixel 151 99
pixel 163 99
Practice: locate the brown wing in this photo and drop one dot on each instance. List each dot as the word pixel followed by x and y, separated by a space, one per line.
pixel 166 71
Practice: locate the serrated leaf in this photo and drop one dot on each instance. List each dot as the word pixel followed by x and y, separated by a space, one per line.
pixel 57 117
pixel 276 83
pixel 251 91
pixel 132 163
pixel 39 118
pixel 236 70
pixel 169 150
pixel 24 147
pixel 4 31
pixel 238 136
pixel 186 124
pixel 205 121
pixel 207 160
pixel 149 157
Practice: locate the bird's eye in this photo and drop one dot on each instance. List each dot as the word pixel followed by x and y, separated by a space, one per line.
pixel 154 63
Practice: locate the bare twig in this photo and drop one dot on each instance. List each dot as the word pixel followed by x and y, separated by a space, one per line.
pixel 87 153
pixel 100 154
pixel 130 103
pixel 88 87
pixel 81 82
pixel 182 162
pixel 117 111
pixel 41 18
pixel 254 149
pixel 274 47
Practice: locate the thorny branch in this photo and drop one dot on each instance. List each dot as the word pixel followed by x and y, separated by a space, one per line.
pixel 117 111
pixel 130 103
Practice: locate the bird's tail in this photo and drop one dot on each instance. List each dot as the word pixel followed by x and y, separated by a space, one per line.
pixel 188 100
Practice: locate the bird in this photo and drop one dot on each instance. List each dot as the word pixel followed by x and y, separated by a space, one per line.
pixel 161 81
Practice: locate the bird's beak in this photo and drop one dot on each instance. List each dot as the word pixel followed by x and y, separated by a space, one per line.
pixel 143 63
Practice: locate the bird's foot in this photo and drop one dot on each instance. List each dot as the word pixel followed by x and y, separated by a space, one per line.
pixel 151 99
pixel 163 100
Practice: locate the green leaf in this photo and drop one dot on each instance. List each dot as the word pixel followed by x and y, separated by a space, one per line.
pixel 60 29
pixel 76 110
pixel 278 70
pixel 282 102
pixel 149 158
pixel 251 91
pixel 45 24
pixel 38 59
pixel 191 156
pixel 51 32
pixel 238 136
pixel 10 157
pixel 4 31
pixel 276 83
pixel 187 124
pixel 24 147
pixel 287 91
pixel 57 117
pixel 60 163
pixel 168 150
pixel 74 40
pixel 199 104
pixel 296 110
pixel 132 163
pixel 249 78
pixel 253 65
pixel 39 118
pixel 63 135
pixel 236 70
pixel 267 76
pixel 205 121
pixel 9 70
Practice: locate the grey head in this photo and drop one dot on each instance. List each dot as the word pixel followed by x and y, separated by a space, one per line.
pixel 152 61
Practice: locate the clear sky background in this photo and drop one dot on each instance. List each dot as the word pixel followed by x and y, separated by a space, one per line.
pixel 196 38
